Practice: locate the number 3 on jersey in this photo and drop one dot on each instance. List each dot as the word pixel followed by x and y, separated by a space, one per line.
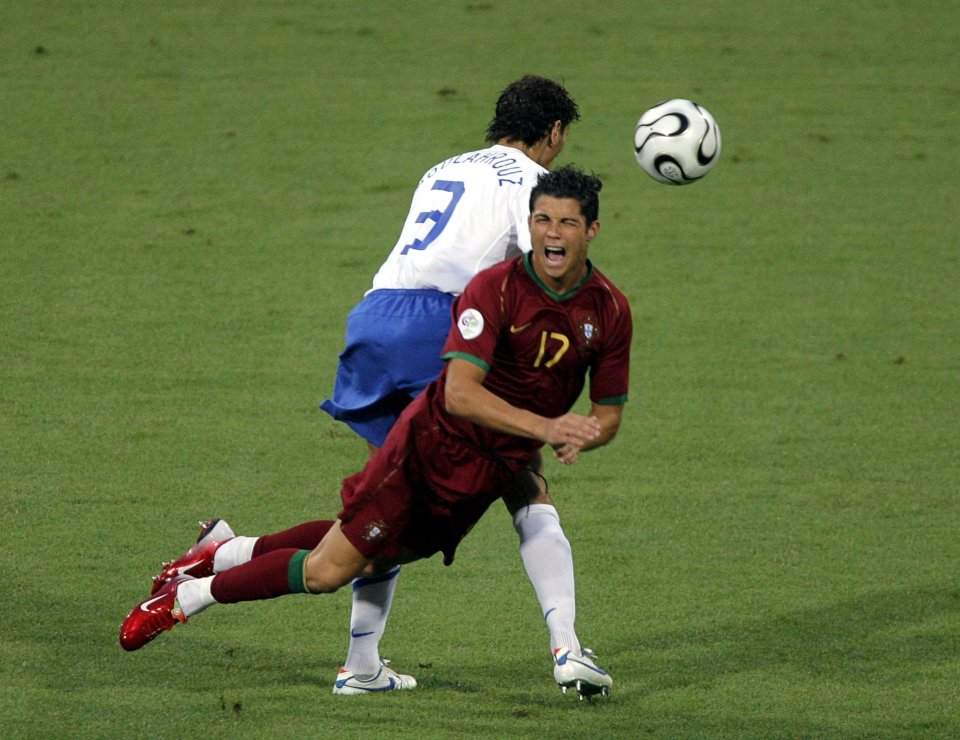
pixel 439 218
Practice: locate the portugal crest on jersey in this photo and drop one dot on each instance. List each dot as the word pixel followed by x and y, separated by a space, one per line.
pixel 589 331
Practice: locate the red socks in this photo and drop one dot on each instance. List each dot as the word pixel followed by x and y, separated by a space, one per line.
pixel 276 573
pixel 276 567
pixel 304 536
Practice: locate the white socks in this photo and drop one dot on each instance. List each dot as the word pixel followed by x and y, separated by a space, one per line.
pixel 194 595
pixel 548 559
pixel 233 552
pixel 372 598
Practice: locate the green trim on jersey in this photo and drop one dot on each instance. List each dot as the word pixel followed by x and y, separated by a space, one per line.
pixel 528 263
pixel 469 358
pixel 616 401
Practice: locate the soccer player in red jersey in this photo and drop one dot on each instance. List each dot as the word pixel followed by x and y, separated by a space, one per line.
pixel 527 334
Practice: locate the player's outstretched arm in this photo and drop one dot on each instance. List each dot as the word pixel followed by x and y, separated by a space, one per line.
pixel 466 397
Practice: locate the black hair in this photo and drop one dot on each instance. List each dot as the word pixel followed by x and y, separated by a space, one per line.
pixel 528 108
pixel 571 182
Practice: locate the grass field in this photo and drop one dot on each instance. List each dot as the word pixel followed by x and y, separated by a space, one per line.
pixel 194 194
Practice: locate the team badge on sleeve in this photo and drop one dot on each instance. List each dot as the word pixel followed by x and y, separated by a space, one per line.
pixel 470 323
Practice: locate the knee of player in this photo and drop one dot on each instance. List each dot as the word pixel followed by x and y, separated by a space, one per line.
pixel 318 583
pixel 322 577
pixel 542 496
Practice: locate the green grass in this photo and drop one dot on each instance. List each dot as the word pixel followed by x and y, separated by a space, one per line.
pixel 192 197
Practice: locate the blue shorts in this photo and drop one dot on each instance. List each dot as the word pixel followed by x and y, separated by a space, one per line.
pixel 393 345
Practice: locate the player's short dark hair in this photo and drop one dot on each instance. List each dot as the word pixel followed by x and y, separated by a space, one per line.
pixel 527 109
pixel 571 182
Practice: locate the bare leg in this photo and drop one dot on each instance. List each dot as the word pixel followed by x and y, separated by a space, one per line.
pixel 334 563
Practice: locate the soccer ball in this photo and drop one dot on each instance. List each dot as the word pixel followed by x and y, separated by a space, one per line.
pixel 677 142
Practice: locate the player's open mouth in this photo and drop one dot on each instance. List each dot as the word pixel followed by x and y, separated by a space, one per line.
pixel 554 255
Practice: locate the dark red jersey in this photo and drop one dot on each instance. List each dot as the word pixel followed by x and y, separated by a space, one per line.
pixel 537 346
pixel 436 473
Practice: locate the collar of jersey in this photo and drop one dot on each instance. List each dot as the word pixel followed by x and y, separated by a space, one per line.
pixel 528 263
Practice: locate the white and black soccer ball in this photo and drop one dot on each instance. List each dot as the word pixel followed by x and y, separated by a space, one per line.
pixel 677 142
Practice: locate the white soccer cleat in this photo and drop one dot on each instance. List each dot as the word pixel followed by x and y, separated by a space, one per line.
pixel 386 679
pixel 580 672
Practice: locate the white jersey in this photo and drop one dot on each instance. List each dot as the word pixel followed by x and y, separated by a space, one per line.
pixel 468 213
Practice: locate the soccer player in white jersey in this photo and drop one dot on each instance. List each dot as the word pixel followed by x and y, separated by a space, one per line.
pixel 467 213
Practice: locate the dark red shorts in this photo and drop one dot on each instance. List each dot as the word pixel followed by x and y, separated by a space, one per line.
pixel 423 491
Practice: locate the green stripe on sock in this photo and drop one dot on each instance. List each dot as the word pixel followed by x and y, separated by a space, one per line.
pixel 295 573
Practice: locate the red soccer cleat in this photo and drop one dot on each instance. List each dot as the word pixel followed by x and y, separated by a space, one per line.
pixel 198 560
pixel 159 613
